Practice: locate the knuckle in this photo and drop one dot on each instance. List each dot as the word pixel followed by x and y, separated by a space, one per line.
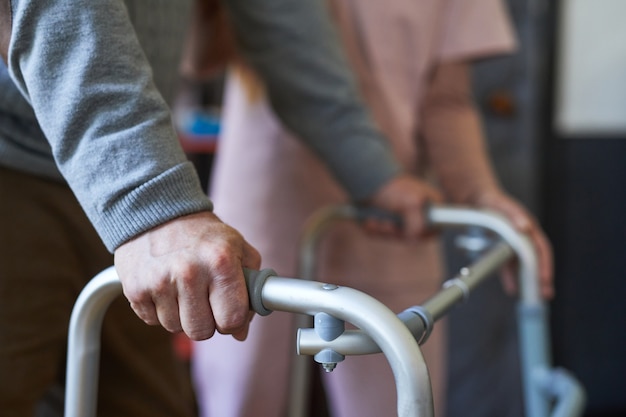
pixel 221 254
pixel 160 288
pixel 222 262
pixel 137 297
pixel 187 277
pixel 184 269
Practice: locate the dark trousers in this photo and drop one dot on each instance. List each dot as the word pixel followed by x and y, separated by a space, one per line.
pixel 48 252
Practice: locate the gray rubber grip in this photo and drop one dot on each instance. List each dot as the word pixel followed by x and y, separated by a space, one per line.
pixel 368 212
pixel 364 213
pixel 255 281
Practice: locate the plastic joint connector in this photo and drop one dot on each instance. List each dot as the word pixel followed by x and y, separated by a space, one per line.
pixel 426 318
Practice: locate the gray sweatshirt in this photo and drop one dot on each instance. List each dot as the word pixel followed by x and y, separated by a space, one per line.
pixel 83 99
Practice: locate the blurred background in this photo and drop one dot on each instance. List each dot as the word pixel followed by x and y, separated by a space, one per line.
pixel 555 116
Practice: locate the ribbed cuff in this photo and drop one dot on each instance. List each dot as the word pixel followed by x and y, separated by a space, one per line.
pixel 174 193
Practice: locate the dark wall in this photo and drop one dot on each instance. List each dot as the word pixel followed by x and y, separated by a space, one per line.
pixel 584 202
pixel 577 189
pixel 586 209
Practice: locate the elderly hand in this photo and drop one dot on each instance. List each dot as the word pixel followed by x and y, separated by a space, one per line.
pixel 525 223
pixel 187 274
pixel 408 197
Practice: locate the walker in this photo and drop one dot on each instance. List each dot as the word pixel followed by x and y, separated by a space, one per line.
pixel 548 391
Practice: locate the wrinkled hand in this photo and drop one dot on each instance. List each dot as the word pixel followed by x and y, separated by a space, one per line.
pixel 409 197
pixel 525 223
pixel 187 275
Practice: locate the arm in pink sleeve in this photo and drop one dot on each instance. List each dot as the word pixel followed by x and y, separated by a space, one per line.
pixel 453 136
pixel 455 146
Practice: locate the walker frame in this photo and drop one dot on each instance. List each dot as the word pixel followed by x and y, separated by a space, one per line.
pixel 548 391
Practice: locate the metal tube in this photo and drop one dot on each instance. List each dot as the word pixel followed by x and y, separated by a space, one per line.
pixel 459 288
pixel 83 350
pixel 437 216
pixel 535 357
pixel 313 231
pixel 532 317
pixel 394 339
pixel 568 393
pixel 528 280
pixel 357 342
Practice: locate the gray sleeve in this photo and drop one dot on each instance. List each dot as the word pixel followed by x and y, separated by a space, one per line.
pixel 79 64
pixel 295 50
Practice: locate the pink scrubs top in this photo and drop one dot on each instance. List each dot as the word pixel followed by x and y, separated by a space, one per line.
pixel 266 184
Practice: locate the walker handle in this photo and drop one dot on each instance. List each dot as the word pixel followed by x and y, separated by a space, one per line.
pixel 364 213
pixel 254 282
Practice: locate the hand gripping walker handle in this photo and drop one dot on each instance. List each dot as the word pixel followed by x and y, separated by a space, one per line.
pixel 84 335
pixel 414 397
